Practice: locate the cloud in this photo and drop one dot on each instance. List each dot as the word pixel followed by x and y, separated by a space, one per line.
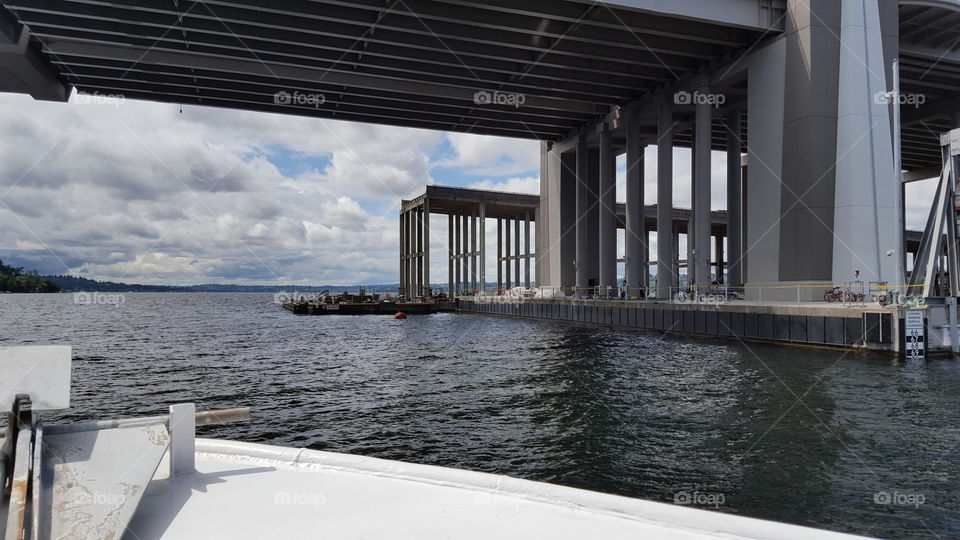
pixel 142 193
pixel 482 155
pixel 529 185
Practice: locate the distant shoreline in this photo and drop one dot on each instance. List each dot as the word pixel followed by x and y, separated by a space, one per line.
pixel 79 284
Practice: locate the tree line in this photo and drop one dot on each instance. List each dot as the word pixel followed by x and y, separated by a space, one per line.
pixel 15 279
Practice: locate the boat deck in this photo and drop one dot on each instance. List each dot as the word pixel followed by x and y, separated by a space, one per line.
pixel 243 490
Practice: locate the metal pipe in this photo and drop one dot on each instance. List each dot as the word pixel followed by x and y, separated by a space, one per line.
pixel 205 418
pixel 898 170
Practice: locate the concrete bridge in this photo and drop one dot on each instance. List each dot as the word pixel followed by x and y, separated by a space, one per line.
pixel 470 211
pixel 799 91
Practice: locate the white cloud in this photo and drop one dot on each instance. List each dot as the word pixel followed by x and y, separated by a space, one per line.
pixel 142 193
pixel 482 155
pixel 529 185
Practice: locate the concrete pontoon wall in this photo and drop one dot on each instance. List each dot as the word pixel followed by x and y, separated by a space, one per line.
pixel 869 329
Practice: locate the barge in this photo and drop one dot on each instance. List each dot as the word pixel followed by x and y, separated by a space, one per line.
pixel 364 304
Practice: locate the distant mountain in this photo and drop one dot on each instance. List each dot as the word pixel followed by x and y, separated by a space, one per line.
pixel 13 279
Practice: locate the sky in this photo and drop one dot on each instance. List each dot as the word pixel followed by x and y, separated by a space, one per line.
pixel 142 192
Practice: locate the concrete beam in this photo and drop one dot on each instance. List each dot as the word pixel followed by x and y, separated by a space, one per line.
pixel 752 14
pixel 945 108
pixel 24 70
pixel 198 60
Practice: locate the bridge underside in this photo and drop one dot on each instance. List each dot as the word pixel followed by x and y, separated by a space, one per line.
pixel 793 94
pixel 418 63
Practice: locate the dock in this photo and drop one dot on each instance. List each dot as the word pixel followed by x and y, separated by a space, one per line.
pixel 367 308
pixel 867 327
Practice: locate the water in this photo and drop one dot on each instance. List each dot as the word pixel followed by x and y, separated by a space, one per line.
pixel 802 436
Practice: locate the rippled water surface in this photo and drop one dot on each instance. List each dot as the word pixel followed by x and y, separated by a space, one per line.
pixel 802 436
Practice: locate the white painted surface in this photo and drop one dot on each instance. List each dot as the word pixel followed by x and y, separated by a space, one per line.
pixel 183 433
pixel 246 490
pixel 42 371
pixel 94 479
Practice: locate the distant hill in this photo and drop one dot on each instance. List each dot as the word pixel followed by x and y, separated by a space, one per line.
pixel 13 279
pixel 74 283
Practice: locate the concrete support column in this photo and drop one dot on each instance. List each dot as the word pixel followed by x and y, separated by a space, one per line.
pixel 450 254
pixel 865 220
pixel 744 258
pixel 734 198
pixel 464 253
pixel 718 256
pixel 582 196
pixel 456 254
pixel 526 254
pixel 676 257
pixel 508 283
pixel 517 253
pixel 422 259
pixel 607 211
pixel 701 201
pixel 407 293
pixel 692 220
pixel 645 266
pixel 417 238
pixel 412 254
pixel 426 246
pixel 472 218
pixel 403 253
pixel 499 255
pixel 535 258
pixel 483 249
pixel 665 245
pixel 634 238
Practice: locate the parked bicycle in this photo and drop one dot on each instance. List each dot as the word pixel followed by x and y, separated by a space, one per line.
pixel 842 294
pixel 833 295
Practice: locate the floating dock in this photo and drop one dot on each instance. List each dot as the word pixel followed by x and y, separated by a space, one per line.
pixel 867 327
pixel 367 308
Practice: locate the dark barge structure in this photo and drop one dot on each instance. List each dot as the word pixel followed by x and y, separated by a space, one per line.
pixel 364 304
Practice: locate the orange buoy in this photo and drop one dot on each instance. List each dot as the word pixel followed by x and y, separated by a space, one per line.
pixel 400 315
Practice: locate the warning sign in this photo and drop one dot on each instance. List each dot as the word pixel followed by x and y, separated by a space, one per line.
pixel 914 335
